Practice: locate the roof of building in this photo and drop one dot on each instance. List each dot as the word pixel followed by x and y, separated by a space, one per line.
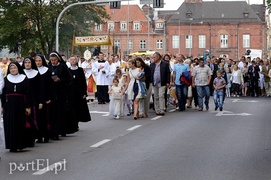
pixel 136 14
pixel 217 12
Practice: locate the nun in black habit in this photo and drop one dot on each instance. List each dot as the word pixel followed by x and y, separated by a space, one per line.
pixel 60 78
pixel 43 113
pixel 16 108
pixel 30 70
pixel 77 95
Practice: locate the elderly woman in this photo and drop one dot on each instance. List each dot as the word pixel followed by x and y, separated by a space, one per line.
pixel 60 79
pixel 16 108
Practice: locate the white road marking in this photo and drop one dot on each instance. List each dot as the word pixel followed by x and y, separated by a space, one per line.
pixel 155 118
pixel 229 113
pixel 134 127
pixel 50 168
pixel 107 114
pixel 100 143
pixel 99 112
pixel 242 101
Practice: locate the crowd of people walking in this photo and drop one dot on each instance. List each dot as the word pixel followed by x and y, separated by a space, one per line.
pixel 44 99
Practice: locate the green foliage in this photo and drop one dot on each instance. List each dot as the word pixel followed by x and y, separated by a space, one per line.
pixel 33 22
pixel 268 2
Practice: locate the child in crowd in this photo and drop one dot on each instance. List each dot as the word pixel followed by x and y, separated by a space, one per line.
pixel 116 92
pixel 126 101
pixel 218 84
pixel 228 87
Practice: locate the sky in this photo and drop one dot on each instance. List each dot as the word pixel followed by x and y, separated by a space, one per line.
pixel 175 4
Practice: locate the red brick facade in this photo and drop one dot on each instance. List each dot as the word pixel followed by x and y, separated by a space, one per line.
pixel 255 31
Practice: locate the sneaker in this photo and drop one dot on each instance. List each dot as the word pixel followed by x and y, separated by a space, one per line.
pixel 207 108
pixel 117 117
pixel 238 96
pixel 221 109
pixel 216 108
pixel 200 109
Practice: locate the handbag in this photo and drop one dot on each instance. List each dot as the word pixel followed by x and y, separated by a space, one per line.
pixel 186 78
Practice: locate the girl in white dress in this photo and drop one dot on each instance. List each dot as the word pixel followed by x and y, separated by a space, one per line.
pixel 116 92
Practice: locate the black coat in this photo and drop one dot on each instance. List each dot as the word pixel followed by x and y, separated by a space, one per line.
pixel 164 73
pixel 254 74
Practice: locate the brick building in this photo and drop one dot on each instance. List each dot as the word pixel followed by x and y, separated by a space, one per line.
pixel 137 35
pixel 223 27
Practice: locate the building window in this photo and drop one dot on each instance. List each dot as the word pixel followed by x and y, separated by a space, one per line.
pixel 117 43
pixel 224 41
pixel 123 26
pixel 175 41
pixel 98 27
pixel 159 44
pixel 136 26
pixel 130 44
pixel 188 41
pixel 104 47
pixel 202 41
pixel 142 44
pixel 246 40
pixel 110 26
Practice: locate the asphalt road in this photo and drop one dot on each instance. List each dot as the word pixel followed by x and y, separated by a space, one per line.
pixel 211 145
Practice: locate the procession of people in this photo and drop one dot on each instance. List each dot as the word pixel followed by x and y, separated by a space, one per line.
pixel 45 99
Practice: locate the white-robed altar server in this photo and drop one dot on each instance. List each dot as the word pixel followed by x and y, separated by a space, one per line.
pixel 101 71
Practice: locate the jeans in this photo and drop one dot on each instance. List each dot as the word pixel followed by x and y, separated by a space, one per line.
pixel 181 93
pixel 218 99
pixel 203 91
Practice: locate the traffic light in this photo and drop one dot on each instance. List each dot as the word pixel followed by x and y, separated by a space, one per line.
pixel 158 3
pixel 115 5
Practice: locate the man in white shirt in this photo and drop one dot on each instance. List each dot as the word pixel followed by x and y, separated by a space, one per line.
pixel 101 70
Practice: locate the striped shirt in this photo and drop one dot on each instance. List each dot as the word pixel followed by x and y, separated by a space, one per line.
pixel 201 75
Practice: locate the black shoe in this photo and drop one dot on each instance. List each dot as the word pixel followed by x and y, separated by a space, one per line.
pixel 207 108
pixel 13 150
pixel 129 114
pixel 216 108
pixel 46 140
pixel 221 109
pixel 200 109
pixel 55 138
pixel 135 118
pixel 99 102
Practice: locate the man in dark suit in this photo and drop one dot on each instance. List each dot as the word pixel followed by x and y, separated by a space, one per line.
pixel 160 78
pixel 253 72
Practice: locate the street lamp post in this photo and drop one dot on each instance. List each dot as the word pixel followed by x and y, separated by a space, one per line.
pixel 71 5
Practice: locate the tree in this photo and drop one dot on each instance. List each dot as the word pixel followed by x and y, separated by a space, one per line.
pixel 268 2
pixel 33 22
